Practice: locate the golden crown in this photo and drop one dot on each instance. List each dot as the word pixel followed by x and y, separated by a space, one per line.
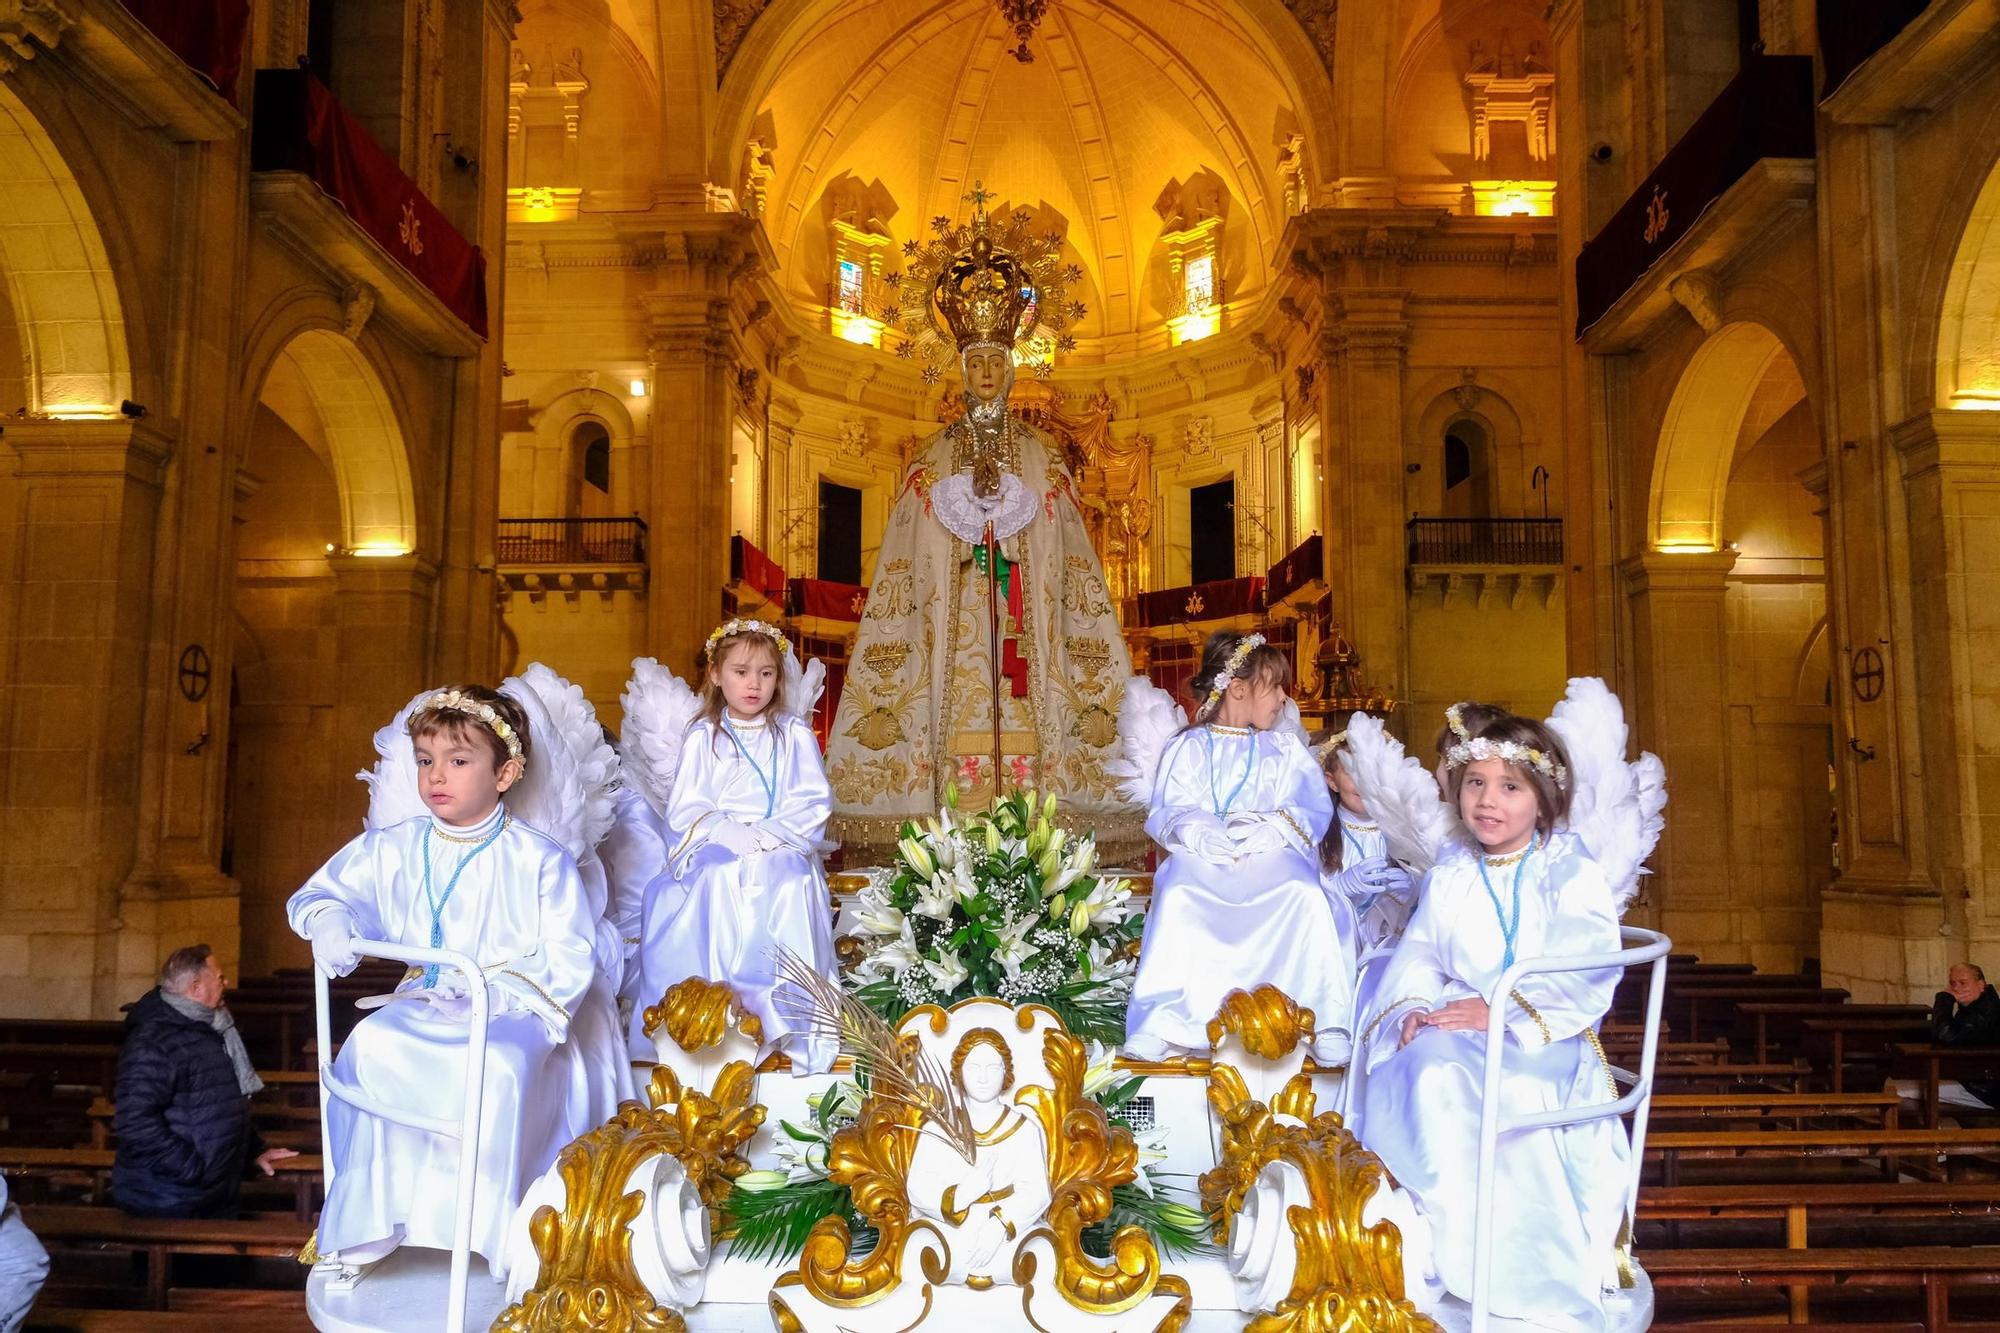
pixel 975 282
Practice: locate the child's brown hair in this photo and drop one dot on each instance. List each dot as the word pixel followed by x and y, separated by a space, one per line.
pixel 1265 662
pixel 455 711
pixel 754 640
pixel 1528 738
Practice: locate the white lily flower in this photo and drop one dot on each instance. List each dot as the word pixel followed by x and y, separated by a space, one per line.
pixel 962 881
pixel 877 917
pixel 898 955
pixel 946 972
pixel 1105 964
pixel 1014 948
pixel 1101 1073
pixel 919 860
pixel 935 899
pixel 1108 903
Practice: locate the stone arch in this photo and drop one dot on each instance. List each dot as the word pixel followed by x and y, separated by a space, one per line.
pixel 1967 360
pixel 1698 435
pixel 1493 412
pixel 327 389
pixel 75 360
pixel 555 431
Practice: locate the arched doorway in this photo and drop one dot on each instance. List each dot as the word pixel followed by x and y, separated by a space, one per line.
pixel 1737 656
pixel 323 489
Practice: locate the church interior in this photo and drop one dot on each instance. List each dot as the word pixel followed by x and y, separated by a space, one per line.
pixel 1460 347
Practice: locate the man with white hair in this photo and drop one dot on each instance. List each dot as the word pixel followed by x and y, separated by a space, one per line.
pixel 1965 1013
pixel 183 1098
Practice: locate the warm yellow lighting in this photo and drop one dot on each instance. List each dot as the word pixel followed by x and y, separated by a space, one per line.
pixel 1976 400
pixel 1505 199
pixel 638 388
pixel 1681 546
pixel 858 329
pixel 1194 326
pixel 543 203
pixel 380 550
pixel 82 411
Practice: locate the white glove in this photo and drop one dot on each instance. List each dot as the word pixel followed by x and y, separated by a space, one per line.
pixel 738 838
pixel 1208 842
pixel 1372 878
pixel 332 936
pixel 446 1005
pixel 770 840
pixel 1254 839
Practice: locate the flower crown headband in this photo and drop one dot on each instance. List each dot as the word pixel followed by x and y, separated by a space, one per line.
pixel 1246 645
pixel 1456 723
pixel 1509 752
pixel 1330 744
pixel 729 627
pixel 453 701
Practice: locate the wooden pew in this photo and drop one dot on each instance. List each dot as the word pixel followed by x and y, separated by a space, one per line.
pixel 160 1239
pixel 1720 1002
pixel 1888 1146
pixel 1932 1269
pixel 282 1126
pixel 1932 1064
pixel 1835 1043
pixel 1767 1018
pixel 90 1169
pixel 64 1319
pixel 1795 1108
pixel 63 1063
pixel 1731 1077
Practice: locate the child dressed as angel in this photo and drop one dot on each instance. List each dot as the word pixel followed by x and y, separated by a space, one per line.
pixel 747 821
pixel 1240 807
pixel 1527 888
pixel 469 877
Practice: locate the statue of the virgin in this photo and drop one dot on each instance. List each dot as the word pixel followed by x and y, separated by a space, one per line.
pixel 987 496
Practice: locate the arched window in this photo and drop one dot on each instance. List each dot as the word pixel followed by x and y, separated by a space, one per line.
pixel 590 469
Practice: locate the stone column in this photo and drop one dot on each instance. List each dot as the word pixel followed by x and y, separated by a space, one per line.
pixel 1951 476
pixel 1681 714
pixel 78 521
pixel 691 348
pixel 384 610
pixel 1361 410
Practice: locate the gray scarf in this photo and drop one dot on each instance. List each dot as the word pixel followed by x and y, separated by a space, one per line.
pixel 224 1022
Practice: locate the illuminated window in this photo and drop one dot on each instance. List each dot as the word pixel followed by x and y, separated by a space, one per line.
pixel 851 275
pixel 1199 283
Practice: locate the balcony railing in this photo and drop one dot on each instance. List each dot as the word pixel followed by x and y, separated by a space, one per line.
pixel 572 541
pixel 1486 541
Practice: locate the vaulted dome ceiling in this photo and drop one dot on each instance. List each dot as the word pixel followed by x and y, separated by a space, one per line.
pixel 906 103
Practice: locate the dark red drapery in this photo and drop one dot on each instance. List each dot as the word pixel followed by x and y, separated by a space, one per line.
pixel 206 34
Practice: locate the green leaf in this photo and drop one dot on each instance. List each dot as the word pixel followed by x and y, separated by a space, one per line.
pixel 774 1224
pixel 1170 1228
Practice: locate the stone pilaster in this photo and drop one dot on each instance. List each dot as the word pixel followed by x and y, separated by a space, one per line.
pixel 74 625
pixel 384 607
pixel 693 352
pixel 1681 714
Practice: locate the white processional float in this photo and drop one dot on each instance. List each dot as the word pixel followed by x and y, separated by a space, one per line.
pixel 977 1164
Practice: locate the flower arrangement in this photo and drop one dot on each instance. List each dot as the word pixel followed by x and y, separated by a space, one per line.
pixel 768 1214
pixel 1002 904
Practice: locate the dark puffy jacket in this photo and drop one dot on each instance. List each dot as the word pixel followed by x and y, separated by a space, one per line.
pixel 184 1132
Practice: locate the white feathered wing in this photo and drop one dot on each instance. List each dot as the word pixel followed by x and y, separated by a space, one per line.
pixel 1148 717
pixel 551 796
pixel 573 721
pixel 1400 793
pixel 1616 806
pixel 393 796
pixel 659 708
pixel 804 683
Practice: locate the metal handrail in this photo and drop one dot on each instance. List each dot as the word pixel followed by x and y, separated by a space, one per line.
pixel 1641 946
pixel 465 1129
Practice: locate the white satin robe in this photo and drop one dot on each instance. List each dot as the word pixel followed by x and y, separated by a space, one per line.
pixel 1237 902
pixel 634 853
pixel 1560 1192
pixel 1379 918
pixel 521 912
pixel 721 914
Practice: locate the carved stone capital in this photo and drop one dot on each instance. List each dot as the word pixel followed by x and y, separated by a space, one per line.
pixel 28 24
pixel 1697 293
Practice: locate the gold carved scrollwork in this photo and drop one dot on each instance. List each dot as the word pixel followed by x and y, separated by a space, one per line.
pixel 1089 1156
pixel 1252 1137
pixel 713 1127
pixel 697 1012
pixel 871 1157
pixel 587 1278
pixel 1350 1275
pixel 1268 1022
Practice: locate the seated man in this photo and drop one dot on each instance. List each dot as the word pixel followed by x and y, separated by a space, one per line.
pixel 183 1098
pixel 1965 1013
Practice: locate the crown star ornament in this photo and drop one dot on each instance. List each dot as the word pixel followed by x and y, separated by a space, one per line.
pixel 982 281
